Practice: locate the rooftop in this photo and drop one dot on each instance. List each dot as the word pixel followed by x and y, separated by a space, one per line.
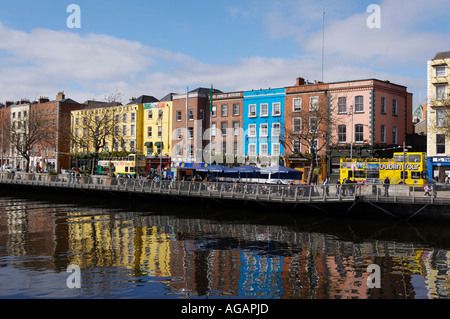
pixel 442 55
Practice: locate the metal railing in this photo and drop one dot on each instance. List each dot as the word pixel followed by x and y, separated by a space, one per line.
pixel 234 190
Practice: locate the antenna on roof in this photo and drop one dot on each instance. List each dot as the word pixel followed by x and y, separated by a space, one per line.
pixel 323 40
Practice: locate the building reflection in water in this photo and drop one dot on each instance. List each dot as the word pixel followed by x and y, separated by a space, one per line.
pixel 202 257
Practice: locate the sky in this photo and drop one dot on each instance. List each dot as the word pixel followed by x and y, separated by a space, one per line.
pixel 147 47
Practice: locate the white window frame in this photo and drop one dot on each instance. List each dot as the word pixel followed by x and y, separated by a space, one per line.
pixel 342 107
pixel 224 110
pixel 276 109
pixel 276 149
pixel 314 106
pixel 340 134
pixel 264 130
pixel 441 118
pixel 297 104
pixel 213 128
pixel 359 107
pixel 294 131
pixel 276 129
pixel 214 111
pixel 437 96
pixel 252 112
pixel 359 133
pixel 252 130
pixel 438 69
pixel 311 125
pixel 263 149
pixel 252 149
pixel 264 109
pixel 132 130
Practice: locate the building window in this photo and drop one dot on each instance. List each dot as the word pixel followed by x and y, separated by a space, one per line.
pixel 213 128
pixel 124 117
pixel 84 133
pixel 117 118
pixel 191 115
pixel 214 111
pixel 296 125
pixel 252 130
pixel 132 130
pixel 313 125
pixel 441 92
pixel 275 129
pixel 202 114
pixel 383 133
pixel 440 70
pixel 236 109
pixel 314 103
pixel 342 134
pixel 440 144
pixel 441 118
pixel 359 104
pixel 160 114
pixel 264 130
pixel 383 105
pixel 178 115
pixel 394 135
pixel 133 117
pixel 150 115
pixel 132 145
pixel 264 110
pixel 116 130
pixel 236 128
pixel 297 104
pixel 77 122
pixel 359 133
pixel 178 133
pixel 149 131
pixel 276 109
pixel 296 146
pixel 235 148
pixel 124 130
pixel 252 149
pixel 276 149
pixel 394 107
pixel 224 147
pixel 159 131
pixel 342 105
pixel 263 149
pixel 191 132
pixel 224 110
pixel 223 128
pixel 252 110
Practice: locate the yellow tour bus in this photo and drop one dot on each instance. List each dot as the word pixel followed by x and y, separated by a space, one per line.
pixel 131 165
pixel 413 165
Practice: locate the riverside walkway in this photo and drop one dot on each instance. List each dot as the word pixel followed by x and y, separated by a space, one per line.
pixel 358 199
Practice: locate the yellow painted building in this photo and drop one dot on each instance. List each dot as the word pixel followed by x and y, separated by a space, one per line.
pixel 438 111
pixel 157 127
pixel 120 125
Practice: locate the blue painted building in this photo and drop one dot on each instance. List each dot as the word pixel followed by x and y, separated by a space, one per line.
pixel 263 125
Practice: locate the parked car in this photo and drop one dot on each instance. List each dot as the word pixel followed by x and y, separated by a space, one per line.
pixel 278 181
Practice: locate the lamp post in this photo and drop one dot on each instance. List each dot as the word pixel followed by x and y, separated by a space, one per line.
pixel 159 123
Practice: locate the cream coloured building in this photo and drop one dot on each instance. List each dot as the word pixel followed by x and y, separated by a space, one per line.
pixel 438 141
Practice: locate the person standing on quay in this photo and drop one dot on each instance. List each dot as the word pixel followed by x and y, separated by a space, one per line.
pixel 386 186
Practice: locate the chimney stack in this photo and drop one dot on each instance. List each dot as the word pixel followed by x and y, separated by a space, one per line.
pixel 60 96
pixel 300 81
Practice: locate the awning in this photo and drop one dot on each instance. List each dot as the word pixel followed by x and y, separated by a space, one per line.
pixel 148 144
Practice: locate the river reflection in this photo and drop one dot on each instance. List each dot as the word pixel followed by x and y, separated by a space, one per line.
pixel 176 252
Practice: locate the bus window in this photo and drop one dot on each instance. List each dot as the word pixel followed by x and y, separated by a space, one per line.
pixel 126 169
pixel 373 174
pixel 416 158
pixel 359 174
pixel 401 174
pixel 350 175
pixel 398 158
pixel 415 175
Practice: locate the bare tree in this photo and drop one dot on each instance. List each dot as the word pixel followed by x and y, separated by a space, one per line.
pixel 94 129
pixel 311 128
pixel 25 132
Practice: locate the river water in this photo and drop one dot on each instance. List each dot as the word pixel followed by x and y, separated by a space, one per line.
pixel 118 249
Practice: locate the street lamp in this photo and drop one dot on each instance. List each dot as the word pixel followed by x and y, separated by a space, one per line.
pixel 159 123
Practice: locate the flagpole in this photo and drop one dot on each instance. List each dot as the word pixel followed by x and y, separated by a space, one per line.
pixel 187 131
pixel 210 124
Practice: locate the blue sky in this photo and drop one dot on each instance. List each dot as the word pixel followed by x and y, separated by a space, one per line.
pixel 156 47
